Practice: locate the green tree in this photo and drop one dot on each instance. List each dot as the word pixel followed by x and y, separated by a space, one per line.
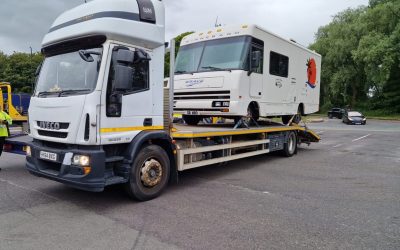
pixel 361 51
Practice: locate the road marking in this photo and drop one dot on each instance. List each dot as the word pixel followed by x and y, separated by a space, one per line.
pixel 320 132
pixel 361 138
pixel 266 192
pixel 339 145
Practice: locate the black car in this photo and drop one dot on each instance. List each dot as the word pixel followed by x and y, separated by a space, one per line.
pixel 336 112
pixel 354 117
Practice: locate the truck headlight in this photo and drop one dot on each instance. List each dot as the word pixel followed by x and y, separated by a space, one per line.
pixel 217 104
pixel 81 160
pixel 28 151
pixel 225 104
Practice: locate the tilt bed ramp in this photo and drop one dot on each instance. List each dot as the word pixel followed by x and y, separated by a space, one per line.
pixel 203 145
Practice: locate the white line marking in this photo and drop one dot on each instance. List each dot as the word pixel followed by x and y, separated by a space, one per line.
pixel 339 145
pixel 361 138
pixel 266 192
pixel 320 132
pixel 28 189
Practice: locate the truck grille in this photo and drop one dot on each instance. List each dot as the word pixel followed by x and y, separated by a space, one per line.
pixel 203 95
pixel 46 133
pixel 63 125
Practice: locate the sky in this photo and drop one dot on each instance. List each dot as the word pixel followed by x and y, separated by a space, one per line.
pixel 24 23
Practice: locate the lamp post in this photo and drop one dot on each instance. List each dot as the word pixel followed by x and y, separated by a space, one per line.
pixel 31 69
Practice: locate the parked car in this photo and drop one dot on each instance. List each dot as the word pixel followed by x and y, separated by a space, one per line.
pixel 354 117
pixel 336 112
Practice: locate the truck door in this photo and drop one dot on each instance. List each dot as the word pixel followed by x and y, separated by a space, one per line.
pixel 126 110
pixel 256 77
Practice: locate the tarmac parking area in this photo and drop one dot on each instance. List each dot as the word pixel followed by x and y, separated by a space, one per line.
pixel 342 193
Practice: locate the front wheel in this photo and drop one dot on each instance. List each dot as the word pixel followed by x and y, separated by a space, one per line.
pixel 191 119
pixel 149 175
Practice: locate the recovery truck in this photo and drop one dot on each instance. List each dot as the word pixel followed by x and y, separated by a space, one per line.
pixel 100 115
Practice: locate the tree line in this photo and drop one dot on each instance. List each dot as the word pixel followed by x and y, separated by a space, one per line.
pixel 19 69
pixel 360 51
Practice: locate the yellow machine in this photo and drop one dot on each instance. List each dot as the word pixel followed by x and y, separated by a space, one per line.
pixel 7 105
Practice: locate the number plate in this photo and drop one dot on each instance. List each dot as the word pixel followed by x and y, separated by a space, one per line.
pixel 48 156
pixel 192 112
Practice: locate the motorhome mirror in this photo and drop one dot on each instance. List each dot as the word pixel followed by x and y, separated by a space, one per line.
pixel 37 72
pixel 255 60
pixel 125 56
pixel 123 78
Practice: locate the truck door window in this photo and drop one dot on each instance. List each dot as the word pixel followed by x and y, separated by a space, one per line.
pixel 258 45
pixel 140 83
pixel 279 65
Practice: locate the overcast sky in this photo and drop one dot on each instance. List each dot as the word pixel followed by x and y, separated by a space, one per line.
pixel 24 23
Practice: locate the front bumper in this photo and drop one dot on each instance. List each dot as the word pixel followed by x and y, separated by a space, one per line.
pixel 63 171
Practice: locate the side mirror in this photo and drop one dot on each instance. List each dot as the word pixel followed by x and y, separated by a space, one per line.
pixel 256 57
pixel 125 56
pixel 142 56
pixel 123 78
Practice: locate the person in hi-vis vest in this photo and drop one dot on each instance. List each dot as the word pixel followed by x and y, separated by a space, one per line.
pixel 5 121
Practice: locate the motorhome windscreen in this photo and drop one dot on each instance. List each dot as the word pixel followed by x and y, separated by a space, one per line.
pixel 73 73
pixel 214 55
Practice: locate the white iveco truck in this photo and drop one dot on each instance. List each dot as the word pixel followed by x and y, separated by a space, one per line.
pixel 239 71
pixel 99 117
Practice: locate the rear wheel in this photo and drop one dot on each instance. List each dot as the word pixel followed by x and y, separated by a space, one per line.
pixel 191 119
pixel 290 147
pixel 149 174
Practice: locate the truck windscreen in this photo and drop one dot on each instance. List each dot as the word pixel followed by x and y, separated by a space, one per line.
pixel 214 55
pixel 67 74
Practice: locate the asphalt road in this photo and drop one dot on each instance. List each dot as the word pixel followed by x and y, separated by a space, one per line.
pixel 343 193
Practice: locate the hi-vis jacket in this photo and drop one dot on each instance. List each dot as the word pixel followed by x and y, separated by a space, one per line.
pixel 4 117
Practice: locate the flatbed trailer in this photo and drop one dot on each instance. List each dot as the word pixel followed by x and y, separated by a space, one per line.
pixel 218 143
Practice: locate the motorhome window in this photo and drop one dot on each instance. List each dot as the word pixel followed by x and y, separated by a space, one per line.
pixel 279 65
pixel 68 74
pixel 228 53
pixel 188 58
pixel 214 55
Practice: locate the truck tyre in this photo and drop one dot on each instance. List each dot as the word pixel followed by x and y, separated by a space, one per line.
pixel 290 147
pixel 286 119
pixel 149 175
pixel 191 119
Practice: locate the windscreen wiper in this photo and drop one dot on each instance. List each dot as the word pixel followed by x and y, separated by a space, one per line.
pixel 216 68
pixel 73 91
pixel 46 93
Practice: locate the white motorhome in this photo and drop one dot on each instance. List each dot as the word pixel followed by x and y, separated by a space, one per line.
pixel 241 71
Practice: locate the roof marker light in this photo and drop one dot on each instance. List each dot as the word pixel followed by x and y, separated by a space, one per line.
pixel 245 26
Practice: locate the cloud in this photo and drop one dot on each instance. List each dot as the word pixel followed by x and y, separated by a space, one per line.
pixel 24 23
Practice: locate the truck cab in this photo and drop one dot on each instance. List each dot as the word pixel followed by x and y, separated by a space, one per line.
pixel 99 93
